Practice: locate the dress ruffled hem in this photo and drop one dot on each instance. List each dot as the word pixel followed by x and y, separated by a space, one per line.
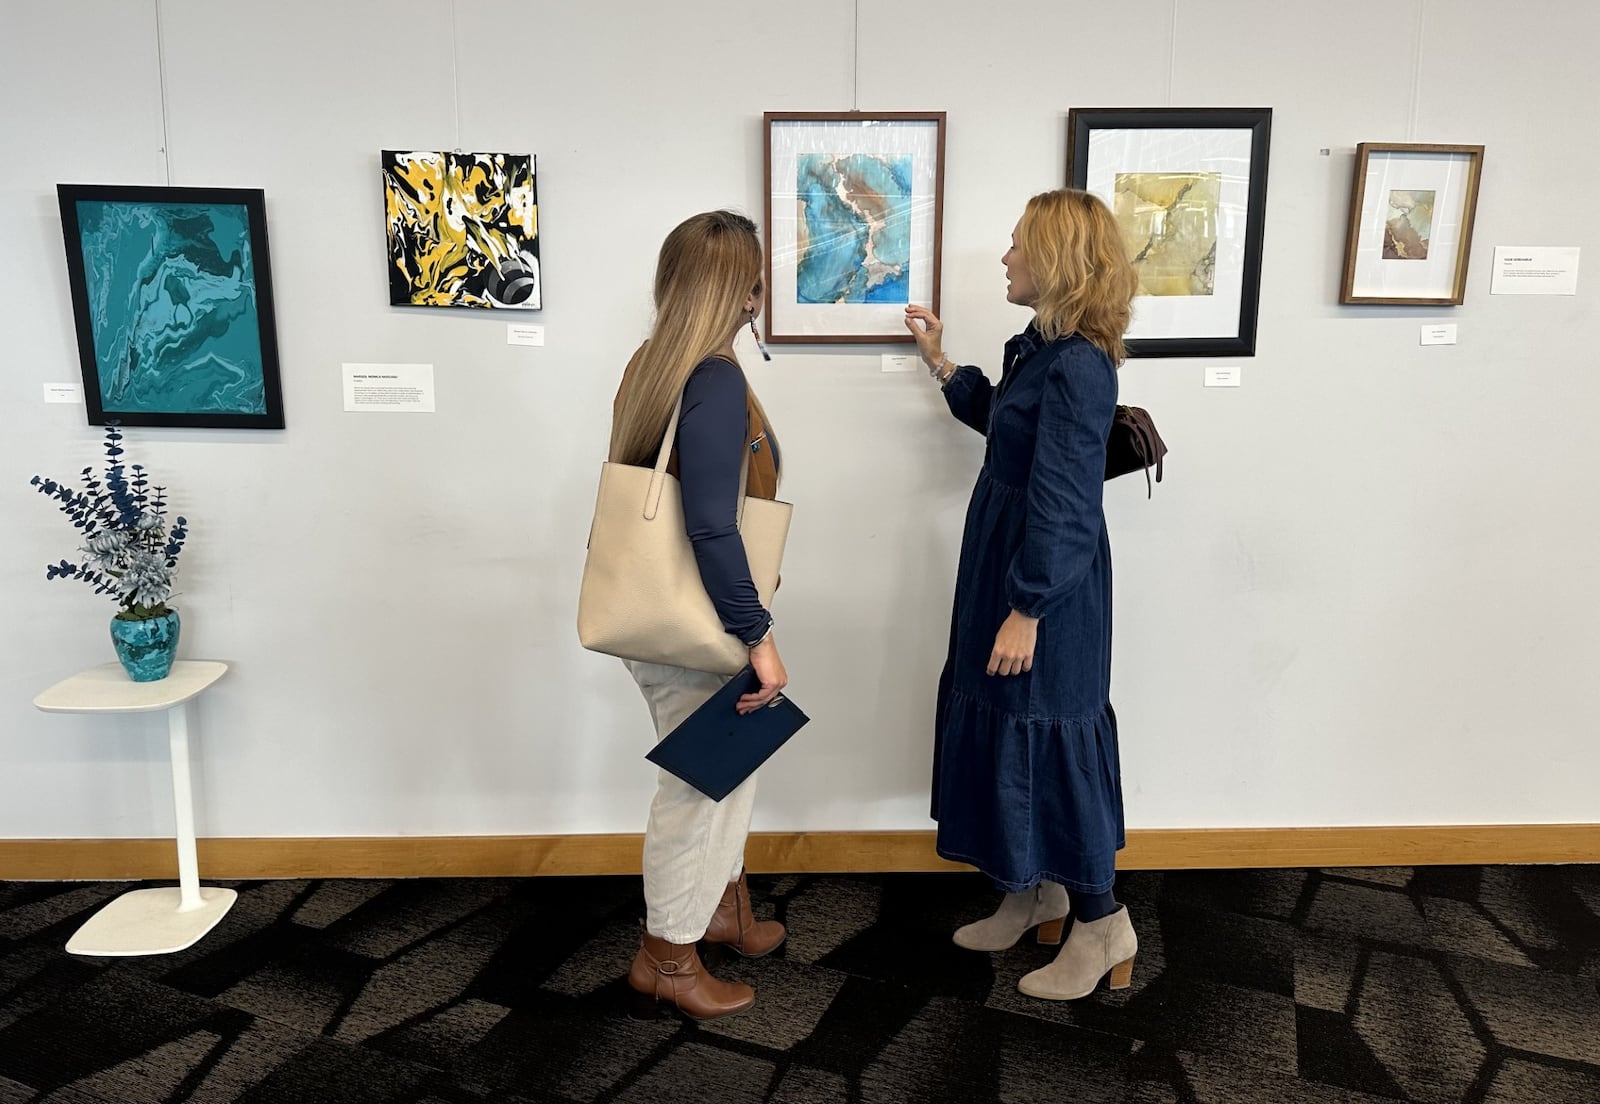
pixel 1038 876
pixel 1029 798
pixel 979 705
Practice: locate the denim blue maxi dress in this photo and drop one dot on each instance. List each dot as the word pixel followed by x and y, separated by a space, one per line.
pixel 1026 780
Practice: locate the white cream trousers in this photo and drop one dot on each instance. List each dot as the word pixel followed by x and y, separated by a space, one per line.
pixel 693 846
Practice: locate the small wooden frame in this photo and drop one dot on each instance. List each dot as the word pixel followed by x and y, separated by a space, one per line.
pixel 1409 235
pixel 854 216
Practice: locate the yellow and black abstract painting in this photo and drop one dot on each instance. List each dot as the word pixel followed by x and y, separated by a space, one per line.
pixel 463 229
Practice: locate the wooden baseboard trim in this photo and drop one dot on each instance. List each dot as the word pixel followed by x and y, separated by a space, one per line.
pixel 788 852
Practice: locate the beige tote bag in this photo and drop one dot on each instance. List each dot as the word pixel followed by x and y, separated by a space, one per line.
pixel 642 597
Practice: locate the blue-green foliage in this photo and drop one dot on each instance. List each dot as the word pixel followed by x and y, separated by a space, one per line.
pixel 122 519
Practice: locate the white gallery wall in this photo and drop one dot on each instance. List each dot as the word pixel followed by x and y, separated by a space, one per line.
pixel 1365 594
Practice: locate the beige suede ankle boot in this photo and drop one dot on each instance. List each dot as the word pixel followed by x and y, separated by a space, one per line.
pixel 1044 905
pixel 1092 950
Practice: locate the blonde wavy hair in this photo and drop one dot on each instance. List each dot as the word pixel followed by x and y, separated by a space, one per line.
pixel 1085 283
pixel 708 266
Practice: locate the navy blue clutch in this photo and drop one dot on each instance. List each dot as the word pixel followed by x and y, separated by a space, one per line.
pixel 715 748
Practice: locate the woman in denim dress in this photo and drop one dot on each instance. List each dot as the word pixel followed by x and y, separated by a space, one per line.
pixel 1026 782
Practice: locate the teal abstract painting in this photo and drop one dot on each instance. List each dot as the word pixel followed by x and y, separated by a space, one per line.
pixel 172 296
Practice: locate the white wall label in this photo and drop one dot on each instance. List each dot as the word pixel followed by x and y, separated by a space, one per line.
pixel 63 392
pixel 1219 375
pixel 901 363
pixel 389 388
pixel 1439 335
pixel 524 333
pixel 1535 270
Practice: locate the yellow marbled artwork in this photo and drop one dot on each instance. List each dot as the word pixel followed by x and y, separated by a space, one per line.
pixel 1169 222
pixel 463 229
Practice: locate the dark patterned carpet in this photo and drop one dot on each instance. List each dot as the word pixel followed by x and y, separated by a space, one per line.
pixel 1279 987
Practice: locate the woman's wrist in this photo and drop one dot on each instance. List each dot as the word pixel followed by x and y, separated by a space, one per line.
pixel 942 369
pixel 765 638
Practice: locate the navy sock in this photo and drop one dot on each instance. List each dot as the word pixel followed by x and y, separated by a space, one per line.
pixel 1090 907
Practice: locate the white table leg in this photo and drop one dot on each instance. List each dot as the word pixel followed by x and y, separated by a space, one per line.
pixel 183 806
pixel 161 921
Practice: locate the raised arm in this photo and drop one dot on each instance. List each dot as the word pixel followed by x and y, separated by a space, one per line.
pixel 967 391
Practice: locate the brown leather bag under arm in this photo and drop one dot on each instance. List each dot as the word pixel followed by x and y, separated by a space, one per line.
pixel 1133 445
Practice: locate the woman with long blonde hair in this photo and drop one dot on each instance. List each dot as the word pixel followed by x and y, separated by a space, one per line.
pixel 708 286
pixel 1026 781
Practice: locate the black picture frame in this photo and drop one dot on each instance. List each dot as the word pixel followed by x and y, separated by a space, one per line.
pixel 181 277
pixel 1234 270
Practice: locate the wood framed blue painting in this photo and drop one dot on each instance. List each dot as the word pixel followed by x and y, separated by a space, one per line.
pixel 172 293
pixel 854 213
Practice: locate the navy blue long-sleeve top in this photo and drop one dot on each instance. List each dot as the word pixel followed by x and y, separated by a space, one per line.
pixel 712 437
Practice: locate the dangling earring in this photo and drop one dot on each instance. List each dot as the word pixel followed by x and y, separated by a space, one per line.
pixel 755 333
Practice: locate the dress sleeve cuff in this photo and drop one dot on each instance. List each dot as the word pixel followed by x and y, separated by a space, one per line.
pixel 1029 605
pixel 763 631
pixel 959 381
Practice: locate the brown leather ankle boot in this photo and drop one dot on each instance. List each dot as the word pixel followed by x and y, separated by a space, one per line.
pixel 672 974
pixel 734 924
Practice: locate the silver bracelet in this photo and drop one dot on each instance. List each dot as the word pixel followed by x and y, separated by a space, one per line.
pixel 764 636
pixel 934 370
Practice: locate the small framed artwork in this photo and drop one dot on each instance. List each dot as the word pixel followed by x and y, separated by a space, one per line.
pixel 1410 229
pixel 172 294
pixel 855 210
pixel 1188 187
pixel 463 230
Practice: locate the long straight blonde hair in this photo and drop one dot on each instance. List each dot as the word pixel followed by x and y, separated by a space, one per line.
pixel 709 265
pixel 1075 252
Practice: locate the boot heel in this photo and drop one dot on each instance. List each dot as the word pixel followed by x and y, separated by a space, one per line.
pixel 1122 975
pixel 1050 931
pixel 644 1006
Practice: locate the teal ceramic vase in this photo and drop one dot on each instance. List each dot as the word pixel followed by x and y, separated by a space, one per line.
pixel 146 648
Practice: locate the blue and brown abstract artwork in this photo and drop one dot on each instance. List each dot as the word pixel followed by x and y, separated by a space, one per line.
pixel 463 229
pixel 171 289
pixel 854 210
pixel 854 226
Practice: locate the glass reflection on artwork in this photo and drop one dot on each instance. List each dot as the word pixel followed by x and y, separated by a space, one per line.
pixel 1169 222
pixel 1408 225
pixel 854 227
